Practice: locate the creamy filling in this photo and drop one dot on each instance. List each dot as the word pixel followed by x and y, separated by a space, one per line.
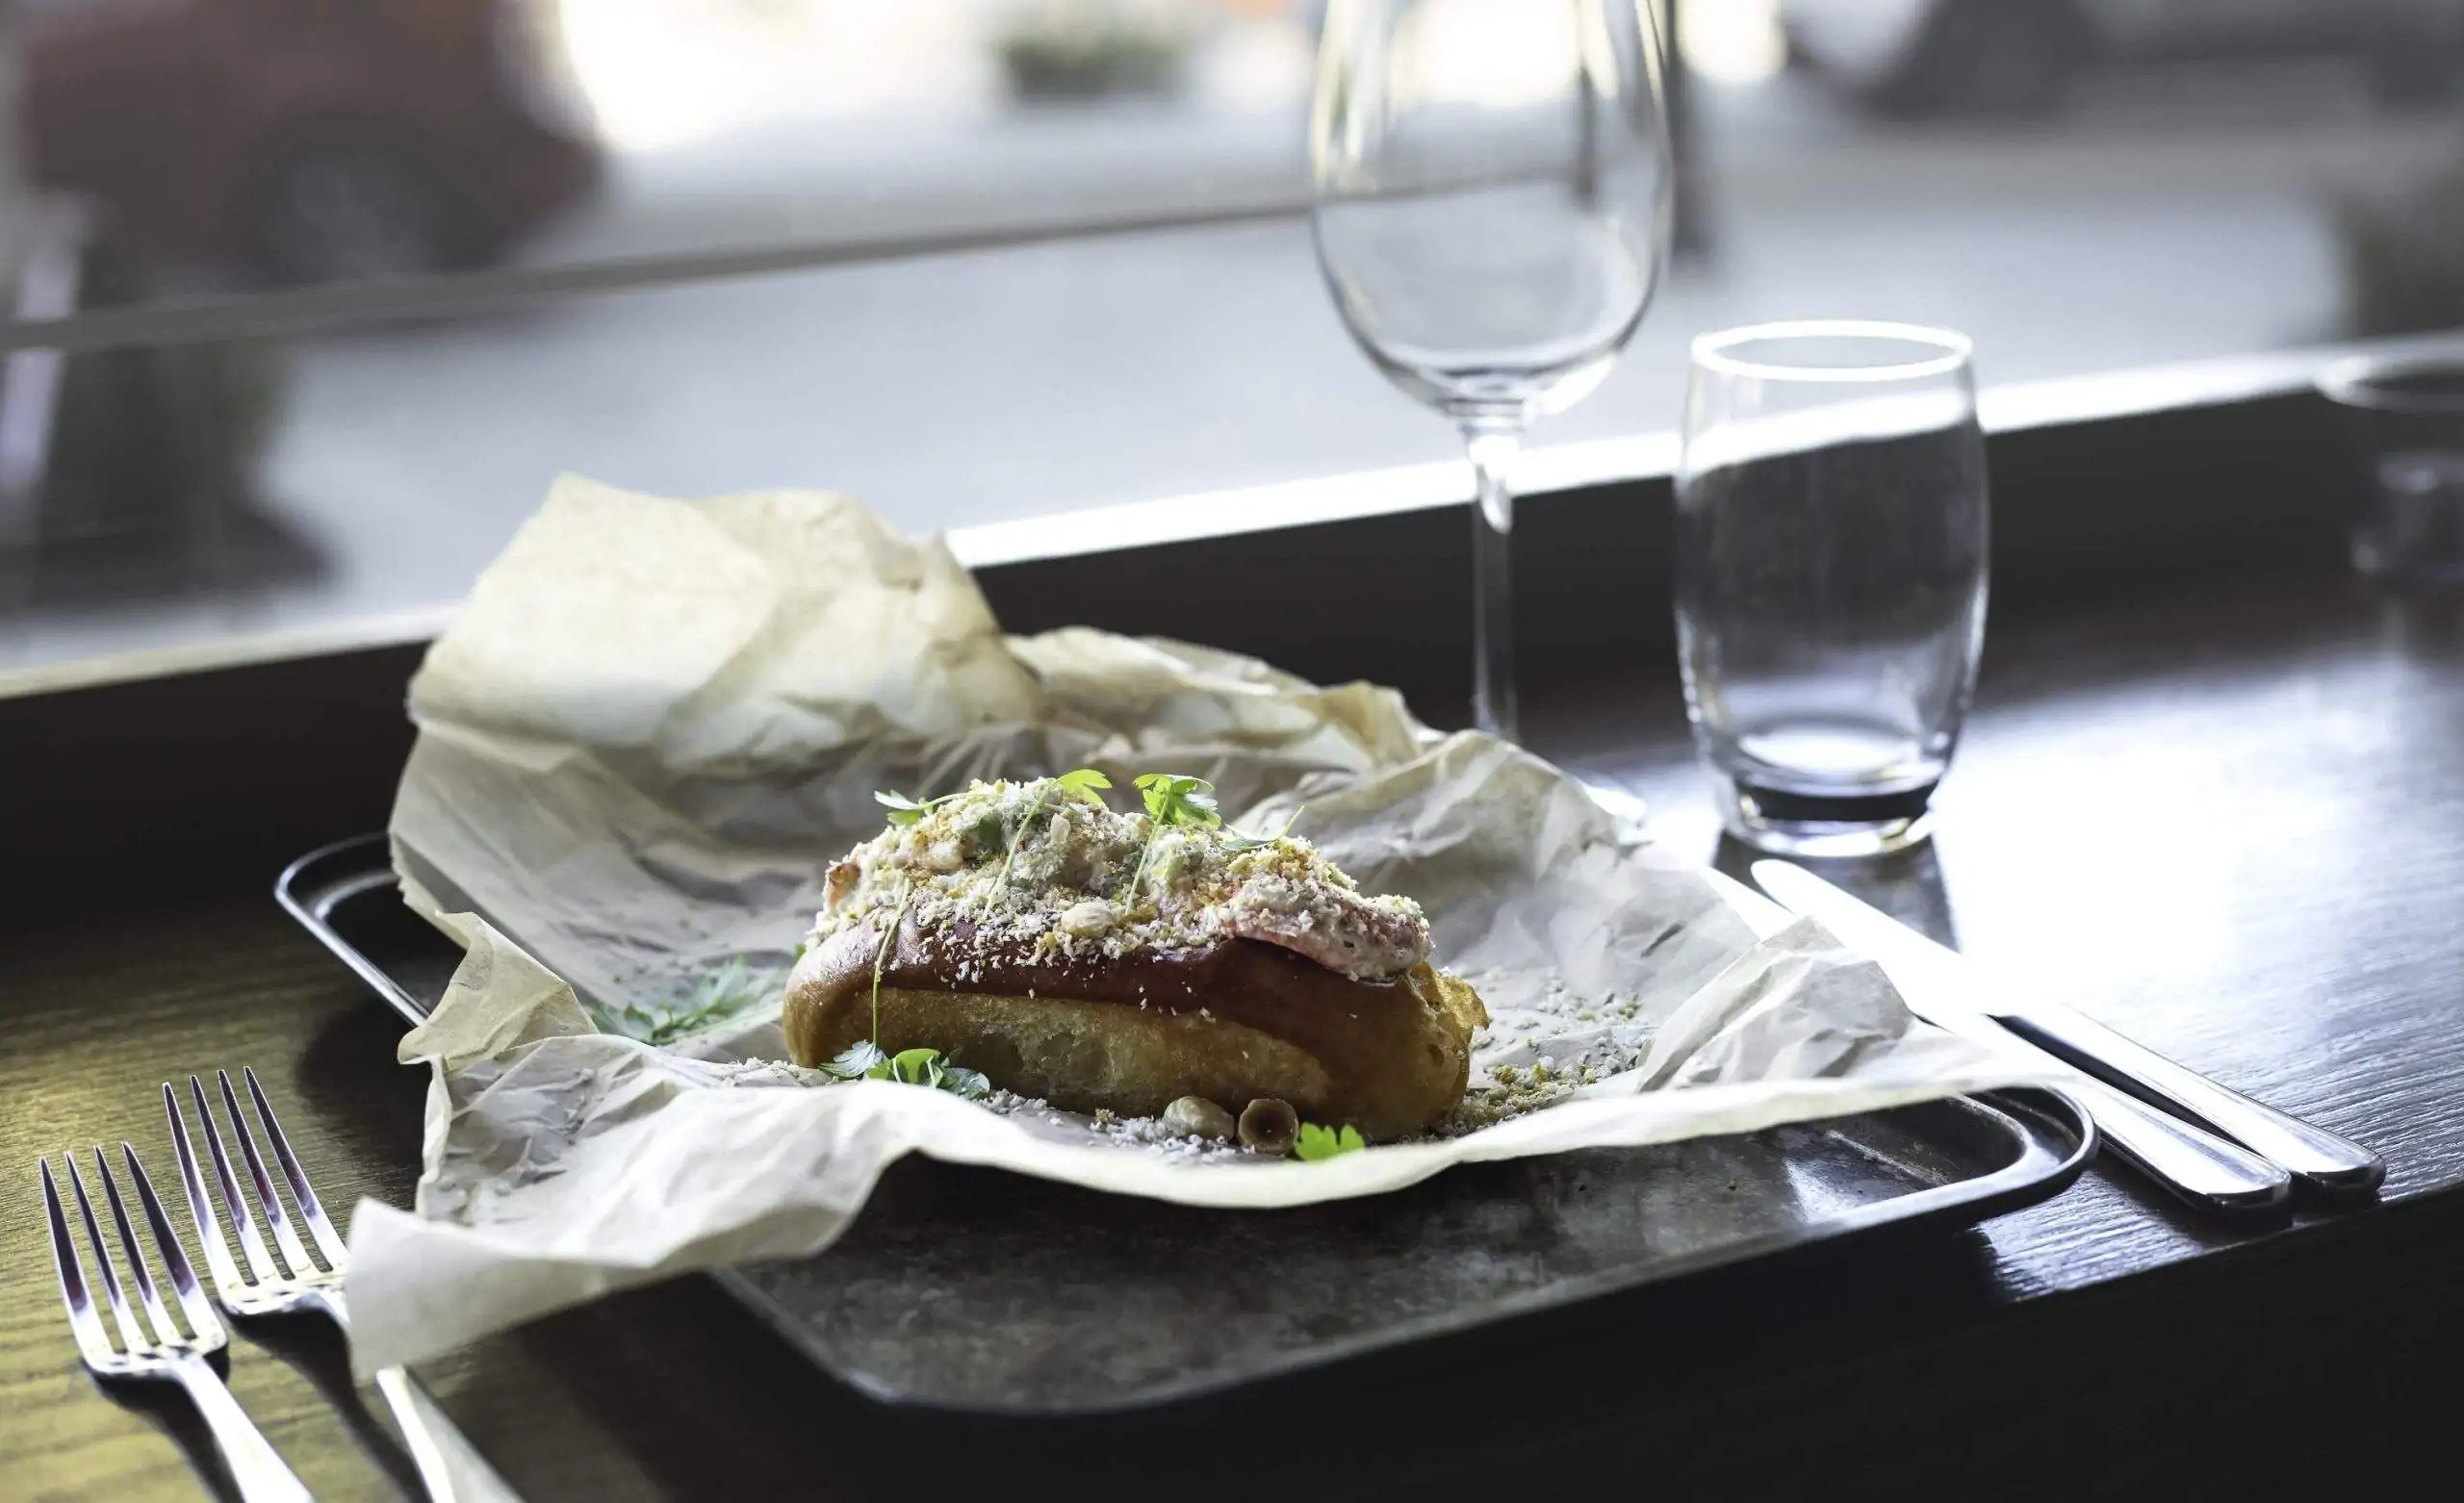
pixel 1034 869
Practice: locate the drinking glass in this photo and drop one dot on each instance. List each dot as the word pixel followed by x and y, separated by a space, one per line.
pixel 1491 209
pixel 1830 572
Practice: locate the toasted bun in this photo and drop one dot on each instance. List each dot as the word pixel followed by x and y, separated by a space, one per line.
pixel 1230 1022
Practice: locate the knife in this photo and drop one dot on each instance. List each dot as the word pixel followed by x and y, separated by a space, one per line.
pixel 2203 1169
pixel 2321 1158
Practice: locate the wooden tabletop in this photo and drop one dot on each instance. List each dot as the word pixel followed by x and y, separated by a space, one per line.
pixel 2227 816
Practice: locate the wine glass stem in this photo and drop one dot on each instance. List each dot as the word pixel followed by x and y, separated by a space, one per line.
pixel 1492 700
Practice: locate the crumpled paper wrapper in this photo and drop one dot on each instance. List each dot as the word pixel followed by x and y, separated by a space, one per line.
pixel 656 724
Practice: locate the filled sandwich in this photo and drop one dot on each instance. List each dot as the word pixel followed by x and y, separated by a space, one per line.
pixel 1129 962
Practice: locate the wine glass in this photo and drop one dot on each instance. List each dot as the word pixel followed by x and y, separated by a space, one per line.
pixel 1490 199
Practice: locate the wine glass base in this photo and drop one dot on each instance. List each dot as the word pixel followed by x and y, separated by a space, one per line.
pixel 1825 829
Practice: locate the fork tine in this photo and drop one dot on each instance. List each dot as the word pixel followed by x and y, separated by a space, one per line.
pixel 276 1218
pixel 175 1258
pixel 167 1332
pixel 92 1338
pixel 228 1280
pixel 310 1211
pixel 244 1221
pixel 137 1345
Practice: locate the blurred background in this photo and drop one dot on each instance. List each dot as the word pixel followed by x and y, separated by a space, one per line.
pixel 308 300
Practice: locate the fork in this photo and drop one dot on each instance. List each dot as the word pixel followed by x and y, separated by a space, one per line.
pixel 450 1466
pixel 259 1473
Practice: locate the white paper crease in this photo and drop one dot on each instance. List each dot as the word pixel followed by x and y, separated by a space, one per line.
pixel 659 722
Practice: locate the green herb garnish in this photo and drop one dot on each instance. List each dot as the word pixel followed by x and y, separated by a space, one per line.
pixel 865 1061
pixel 931 1068
pixel 1173 800
pixel 729 992
pixel 861 1059
pixel 1316 1142
pixel 1241 842
pixel 882 953
pixel 1080 785
pixel 904 810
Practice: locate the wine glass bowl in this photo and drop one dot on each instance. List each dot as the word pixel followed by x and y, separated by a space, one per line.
pixel 1491 212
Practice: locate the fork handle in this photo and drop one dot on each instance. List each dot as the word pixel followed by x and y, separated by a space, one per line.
pixel 260 1475
pixel 450 1468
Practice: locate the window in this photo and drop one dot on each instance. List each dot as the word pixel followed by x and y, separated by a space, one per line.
pixel 342 284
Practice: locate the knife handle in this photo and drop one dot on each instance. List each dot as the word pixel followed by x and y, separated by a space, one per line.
pixel 2196 1165
pixel 2315 1154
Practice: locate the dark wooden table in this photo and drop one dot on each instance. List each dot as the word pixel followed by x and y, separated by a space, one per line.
pixel 2226 816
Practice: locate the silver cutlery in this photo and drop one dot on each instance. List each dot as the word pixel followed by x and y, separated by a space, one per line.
pixel 2304 1149
pixel 2324 1158
pixel 1941 986
pixel 165 1351
pixel 449 1467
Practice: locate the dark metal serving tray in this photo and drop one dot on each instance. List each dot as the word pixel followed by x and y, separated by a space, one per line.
pixel 973 1290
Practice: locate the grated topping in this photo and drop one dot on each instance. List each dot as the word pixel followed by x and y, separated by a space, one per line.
pixel 1074 885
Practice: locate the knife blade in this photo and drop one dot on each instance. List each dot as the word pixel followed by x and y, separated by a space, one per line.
pixel 1943 987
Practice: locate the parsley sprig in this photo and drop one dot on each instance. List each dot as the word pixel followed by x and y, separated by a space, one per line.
pixel 1316 1142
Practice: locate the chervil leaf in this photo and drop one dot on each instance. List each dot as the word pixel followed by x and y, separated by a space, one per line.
pixel 962 1082
pixel 858 1061
pixel 1171 799
pixel 1174 800
pixel 1082 783
pixel 913 1066
pixel 1316 1142
pixel 928 1067
pixel 902 810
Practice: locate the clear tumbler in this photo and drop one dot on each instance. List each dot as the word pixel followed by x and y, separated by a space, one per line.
pixel 1830 576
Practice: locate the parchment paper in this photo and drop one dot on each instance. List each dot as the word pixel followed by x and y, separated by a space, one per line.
pixel 657 723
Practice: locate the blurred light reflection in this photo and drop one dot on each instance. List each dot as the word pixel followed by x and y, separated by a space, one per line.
pixel 1732 42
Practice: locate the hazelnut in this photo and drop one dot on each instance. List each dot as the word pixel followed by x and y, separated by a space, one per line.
pixel 1086 920
pixel 1195 1116
pixel 1269 1124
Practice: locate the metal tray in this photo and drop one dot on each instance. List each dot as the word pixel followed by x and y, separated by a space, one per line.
pixel 971 1289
